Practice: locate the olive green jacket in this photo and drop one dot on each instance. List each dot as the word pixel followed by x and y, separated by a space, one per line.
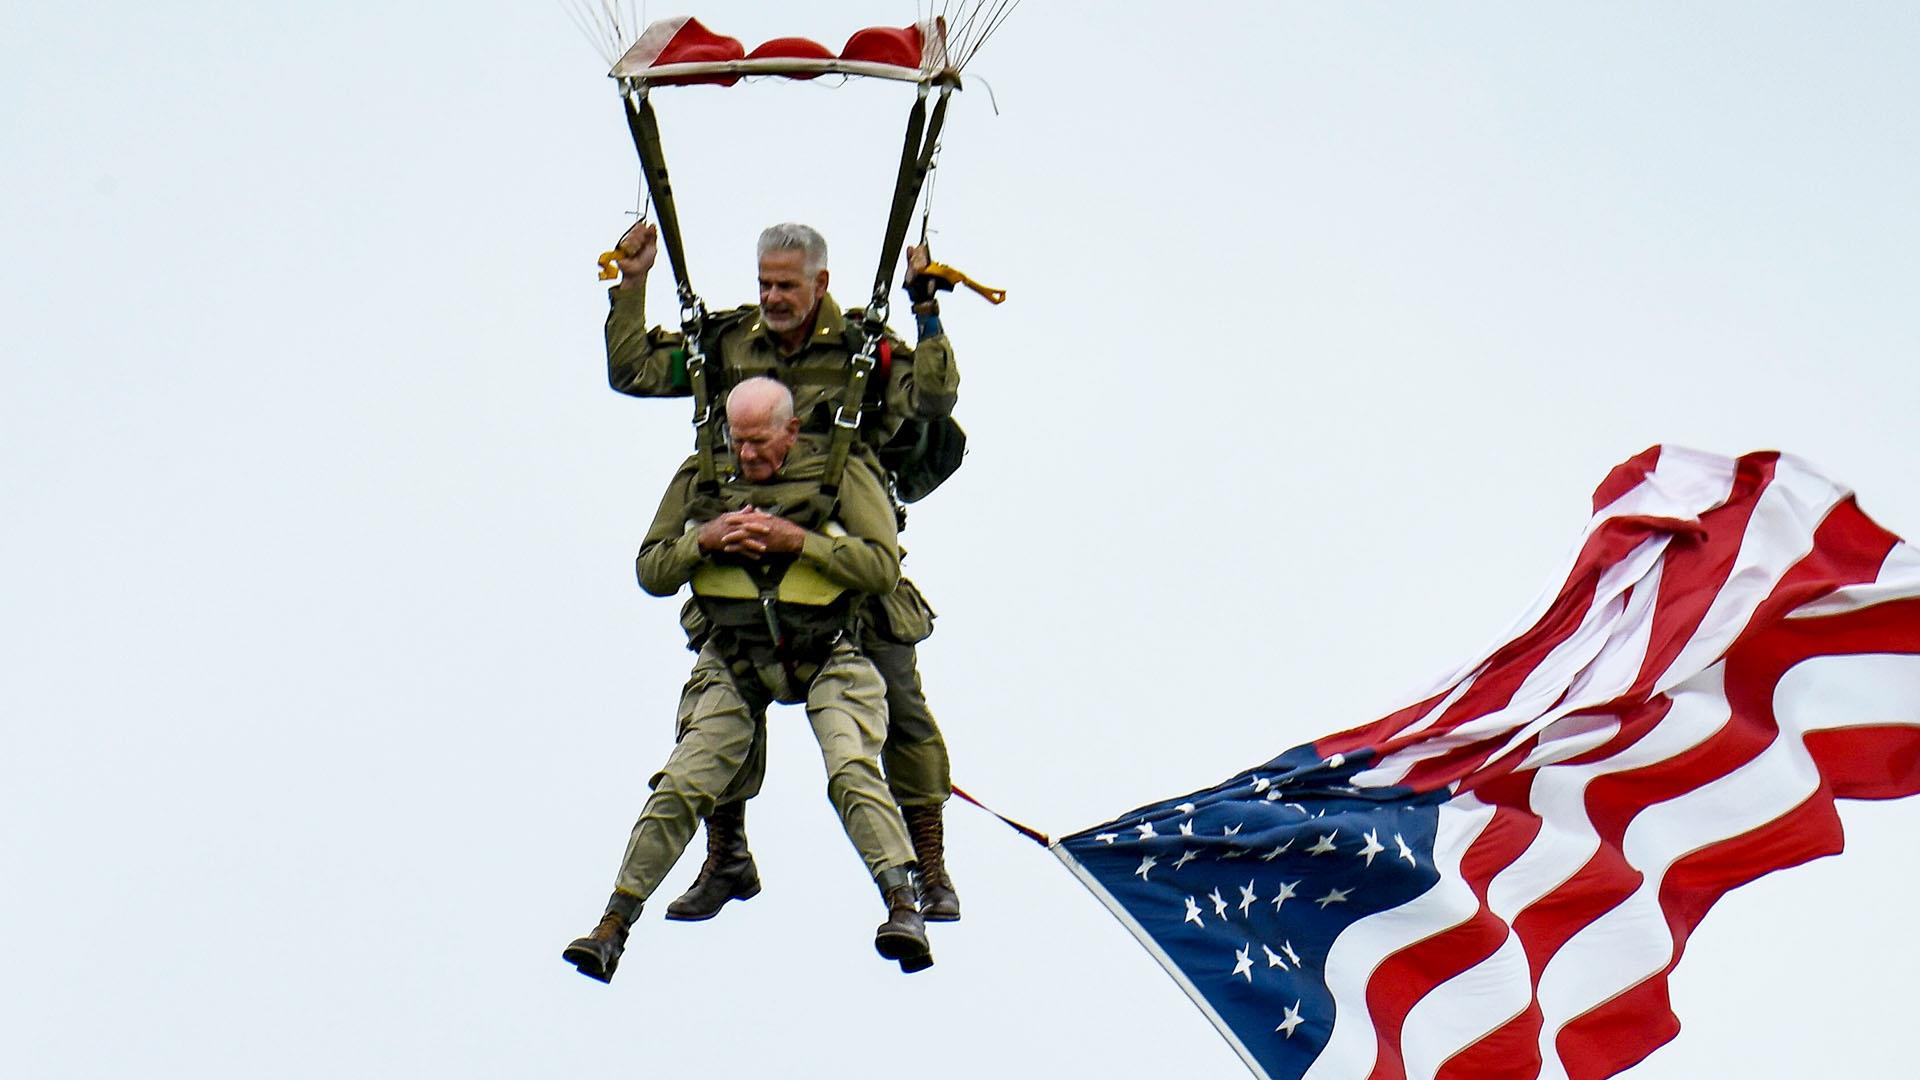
pixel 923 380
pixel 866 559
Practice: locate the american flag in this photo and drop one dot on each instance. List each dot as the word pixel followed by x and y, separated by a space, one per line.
pixel 1495 880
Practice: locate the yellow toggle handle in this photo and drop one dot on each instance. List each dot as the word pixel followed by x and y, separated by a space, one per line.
pixel 953 276
pixel 609 268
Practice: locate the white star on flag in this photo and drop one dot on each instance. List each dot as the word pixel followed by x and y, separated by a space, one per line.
pixel 1287 947
pixel 1193 914
pixel 1405 851
pixel 1186 828
pixel 1279 851
pixel 1325 844
pixel 1185 808
pixel 1146 864
pixel 1219 903
pixel 1243 963
pixel 1290 1021
pixel 1185 858
pixel 1372 847
pixel 1261 783
pixel 1286 893
pixel 1146 830
pixel 1107 837
pixel 1246 898
pixel 1334 896
pixel 1273 958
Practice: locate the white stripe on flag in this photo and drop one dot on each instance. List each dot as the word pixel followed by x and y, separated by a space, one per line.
pixel 1633 941
pixel 1850 690
pixel 1607 627
pixel 1361 948
pixel 1684 484
pixel 1466 1008
pixel 1567 838
pixel 1778 535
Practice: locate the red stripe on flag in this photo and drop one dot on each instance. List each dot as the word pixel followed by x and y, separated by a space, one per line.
pixel 1510 1050
pixel 1625 477
pixel 1399 984
pixel 1693 575
pixel 1633 1024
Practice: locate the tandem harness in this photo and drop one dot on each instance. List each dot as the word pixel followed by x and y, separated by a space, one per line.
pixel 776 618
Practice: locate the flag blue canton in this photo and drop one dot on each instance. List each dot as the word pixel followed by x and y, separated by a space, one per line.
pixel 1242 888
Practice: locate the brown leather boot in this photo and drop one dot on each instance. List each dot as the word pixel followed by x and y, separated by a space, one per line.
pixel 903 936
pixel 938 901
pixel 728 873
pixel 598 954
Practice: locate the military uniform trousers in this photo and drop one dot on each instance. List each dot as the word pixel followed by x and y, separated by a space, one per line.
pixel 720 735
pixel 918 770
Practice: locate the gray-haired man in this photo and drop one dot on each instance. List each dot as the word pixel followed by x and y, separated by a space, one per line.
pixel 798 335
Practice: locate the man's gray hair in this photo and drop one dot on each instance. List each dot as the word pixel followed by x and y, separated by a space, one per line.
pixel 793 236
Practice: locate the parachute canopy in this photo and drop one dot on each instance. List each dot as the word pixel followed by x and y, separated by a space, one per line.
pixel 680 52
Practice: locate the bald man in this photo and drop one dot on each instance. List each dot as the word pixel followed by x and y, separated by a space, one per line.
pixel 799 334
pixel 778 574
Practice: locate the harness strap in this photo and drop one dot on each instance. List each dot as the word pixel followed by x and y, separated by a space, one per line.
pixel 814 377
pixel 769 595
pixel 846 419
pixel 834 376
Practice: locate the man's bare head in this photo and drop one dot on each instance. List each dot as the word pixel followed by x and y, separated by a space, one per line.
pixel 760 417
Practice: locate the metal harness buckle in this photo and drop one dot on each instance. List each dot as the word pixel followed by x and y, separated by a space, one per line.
pixel 848 414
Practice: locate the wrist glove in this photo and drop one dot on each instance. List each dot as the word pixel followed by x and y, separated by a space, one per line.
pixel 922 287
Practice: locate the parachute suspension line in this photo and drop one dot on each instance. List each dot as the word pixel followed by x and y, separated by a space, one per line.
pixel 693 312
pixel 926 207
pixel 974 23
pixel 610 26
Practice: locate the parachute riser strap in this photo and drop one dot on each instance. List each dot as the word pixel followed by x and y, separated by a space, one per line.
pixel 902 181
pixel 653 167
pixel 916 153
pixel 693 312
pixel 915 159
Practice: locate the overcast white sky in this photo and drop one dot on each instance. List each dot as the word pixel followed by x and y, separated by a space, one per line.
pixel 327 694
